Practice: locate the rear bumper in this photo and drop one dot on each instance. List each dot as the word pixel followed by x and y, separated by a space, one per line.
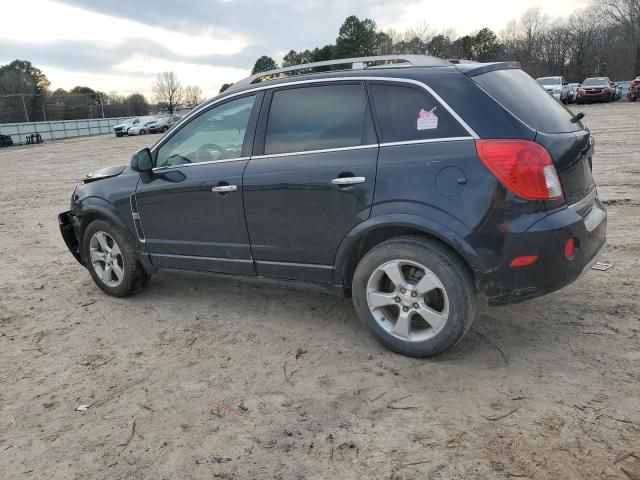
pixel 552 270
pixel 68 231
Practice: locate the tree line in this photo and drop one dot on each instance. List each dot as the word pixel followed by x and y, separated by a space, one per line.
pixel 25 95
pixel 602 39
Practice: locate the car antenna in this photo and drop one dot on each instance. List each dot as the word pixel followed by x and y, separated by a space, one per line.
pixel 578 116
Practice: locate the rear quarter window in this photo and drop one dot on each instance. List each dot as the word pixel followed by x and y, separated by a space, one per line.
pixel 407 113
pixel 527 100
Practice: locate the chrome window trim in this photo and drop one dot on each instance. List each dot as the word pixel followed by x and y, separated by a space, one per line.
pixel 213 103
pixel 586 201
pixel 209 162
pixel 427 140
pixel 311 152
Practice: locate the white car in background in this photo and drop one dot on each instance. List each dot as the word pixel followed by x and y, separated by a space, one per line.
pixel 557 87
pixel 142 127
pixel 121 129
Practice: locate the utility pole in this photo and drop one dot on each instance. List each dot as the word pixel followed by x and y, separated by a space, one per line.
pixel 44 115
pixel 24 105
pixel 102 104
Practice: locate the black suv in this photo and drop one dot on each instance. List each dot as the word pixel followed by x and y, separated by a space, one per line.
pixel 414 184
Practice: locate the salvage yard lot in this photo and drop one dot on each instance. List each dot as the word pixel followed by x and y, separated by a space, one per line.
pixel 549 389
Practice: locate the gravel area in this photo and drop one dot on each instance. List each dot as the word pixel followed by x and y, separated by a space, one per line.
pixel 200 378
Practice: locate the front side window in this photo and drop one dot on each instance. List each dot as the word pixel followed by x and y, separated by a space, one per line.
pixel 405 113
pixel 217 134
pixel 316 118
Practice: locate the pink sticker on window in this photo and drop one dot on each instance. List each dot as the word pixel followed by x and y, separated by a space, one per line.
pixel 427 120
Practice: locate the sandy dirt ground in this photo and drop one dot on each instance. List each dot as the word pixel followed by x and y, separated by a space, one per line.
pixel 546 390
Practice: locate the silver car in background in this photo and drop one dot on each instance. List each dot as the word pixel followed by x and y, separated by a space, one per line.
pixel 164 123
pixel 557 87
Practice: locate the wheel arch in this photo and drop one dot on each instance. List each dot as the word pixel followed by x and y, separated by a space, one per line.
pixel 376 230
pixel 97 208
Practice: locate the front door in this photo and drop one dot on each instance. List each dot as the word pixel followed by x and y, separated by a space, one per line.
pixel 313 179
pixel 191 207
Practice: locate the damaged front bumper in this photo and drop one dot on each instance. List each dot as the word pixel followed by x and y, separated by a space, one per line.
pixel 68 231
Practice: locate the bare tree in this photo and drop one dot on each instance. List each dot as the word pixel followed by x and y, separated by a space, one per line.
pixel 168 91
pixel 584 27
pixel 193 95
pixel 626 14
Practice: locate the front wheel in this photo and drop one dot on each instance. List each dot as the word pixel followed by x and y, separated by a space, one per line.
pixel 415 295
pixel 111 260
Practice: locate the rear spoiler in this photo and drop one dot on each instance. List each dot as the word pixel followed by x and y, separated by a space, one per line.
pixel 471 70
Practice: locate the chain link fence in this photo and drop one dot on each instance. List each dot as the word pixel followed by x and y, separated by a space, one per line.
pixel 59 129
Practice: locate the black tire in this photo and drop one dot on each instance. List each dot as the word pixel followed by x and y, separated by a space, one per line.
pixel 143 132
pixel 135 277
pixel 164 129
pixel 451 272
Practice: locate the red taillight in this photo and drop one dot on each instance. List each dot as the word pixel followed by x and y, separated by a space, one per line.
pixel 523 166
pixel 569 249
pixel 523 261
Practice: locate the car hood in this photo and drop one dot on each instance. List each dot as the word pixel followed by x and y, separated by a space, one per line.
pixel 104 173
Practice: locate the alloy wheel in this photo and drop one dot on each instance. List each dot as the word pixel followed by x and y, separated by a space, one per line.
pixel 106 259
pixel 407 300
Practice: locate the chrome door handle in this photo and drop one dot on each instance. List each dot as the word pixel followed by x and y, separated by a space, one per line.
pixel 348 180
pixel 225 188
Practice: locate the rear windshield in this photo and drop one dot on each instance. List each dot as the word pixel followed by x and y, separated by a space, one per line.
pixel 527 100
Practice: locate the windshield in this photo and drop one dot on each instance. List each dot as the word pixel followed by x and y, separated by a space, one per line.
pixel 549 81
pixel 595 81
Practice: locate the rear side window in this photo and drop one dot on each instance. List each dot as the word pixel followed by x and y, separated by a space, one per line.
pixel 406 113
pixel 524 98
pixel 316 118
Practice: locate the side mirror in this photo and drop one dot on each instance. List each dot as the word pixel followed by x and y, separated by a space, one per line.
pixel 141 161
pixel 565 83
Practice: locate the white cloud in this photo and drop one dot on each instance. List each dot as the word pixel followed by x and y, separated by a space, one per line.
pixel 46 21
pixel 209 77
pixel 138 73
pixel 470 15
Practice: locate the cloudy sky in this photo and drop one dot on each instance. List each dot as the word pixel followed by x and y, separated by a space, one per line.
pixel 120 45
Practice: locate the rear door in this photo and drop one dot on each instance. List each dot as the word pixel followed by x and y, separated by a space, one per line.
pixel 312 178
pixel 566 139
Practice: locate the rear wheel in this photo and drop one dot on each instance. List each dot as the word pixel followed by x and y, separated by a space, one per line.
pixel 143 131
pixel 164 129
pixel 111 260
pixel 415 295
